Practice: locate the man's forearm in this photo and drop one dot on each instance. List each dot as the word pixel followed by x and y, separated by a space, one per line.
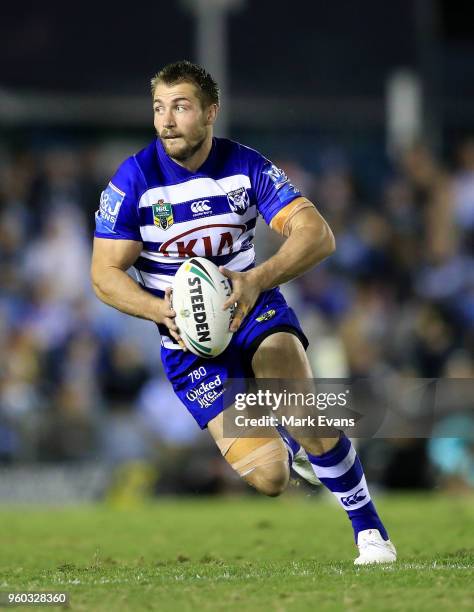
pixel 116 288
pixel 301 251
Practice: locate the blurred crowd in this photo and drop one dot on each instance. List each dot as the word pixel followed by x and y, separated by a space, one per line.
pixel 80 381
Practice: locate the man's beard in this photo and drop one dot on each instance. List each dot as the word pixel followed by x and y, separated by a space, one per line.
pixel 186 152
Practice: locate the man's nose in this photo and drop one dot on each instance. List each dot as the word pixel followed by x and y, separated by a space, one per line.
pixel 168 119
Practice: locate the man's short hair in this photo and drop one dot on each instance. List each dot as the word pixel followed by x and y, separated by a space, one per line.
pixel 184 71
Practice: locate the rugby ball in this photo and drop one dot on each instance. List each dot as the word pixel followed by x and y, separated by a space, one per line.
pixel 199 291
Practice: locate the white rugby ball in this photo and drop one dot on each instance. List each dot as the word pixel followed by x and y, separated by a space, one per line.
pixel 199 291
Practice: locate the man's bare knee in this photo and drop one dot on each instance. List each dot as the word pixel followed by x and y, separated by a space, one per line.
pixel 262 462
pixel 270 479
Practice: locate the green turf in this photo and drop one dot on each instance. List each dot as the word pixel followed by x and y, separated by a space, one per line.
pixel 253 553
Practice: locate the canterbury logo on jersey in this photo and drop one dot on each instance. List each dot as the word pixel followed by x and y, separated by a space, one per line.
pixel 200 207
pixel 352 500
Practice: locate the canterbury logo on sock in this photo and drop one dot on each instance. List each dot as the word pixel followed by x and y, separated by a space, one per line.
pixel 352 500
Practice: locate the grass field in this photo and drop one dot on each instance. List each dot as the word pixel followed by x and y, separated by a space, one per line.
pixel 250 553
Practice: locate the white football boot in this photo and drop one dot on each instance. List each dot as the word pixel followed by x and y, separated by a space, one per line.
pixel 299 459
pixel 303 467
pixel 374 549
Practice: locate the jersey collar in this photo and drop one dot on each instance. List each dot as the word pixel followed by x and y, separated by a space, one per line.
pixel 183 173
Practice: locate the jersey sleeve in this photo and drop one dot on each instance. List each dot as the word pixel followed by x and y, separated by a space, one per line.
pixel 118 216
pixel 273 189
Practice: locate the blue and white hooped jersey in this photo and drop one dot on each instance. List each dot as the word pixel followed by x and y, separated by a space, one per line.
pixel 177 214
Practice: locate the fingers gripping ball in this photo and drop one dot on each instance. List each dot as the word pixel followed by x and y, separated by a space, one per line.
pixel 199 292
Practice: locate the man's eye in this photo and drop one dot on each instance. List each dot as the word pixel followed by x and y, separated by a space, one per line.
pixel 158 109
pixel 180 108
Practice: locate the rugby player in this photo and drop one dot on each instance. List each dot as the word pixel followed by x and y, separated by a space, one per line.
pixel 190 194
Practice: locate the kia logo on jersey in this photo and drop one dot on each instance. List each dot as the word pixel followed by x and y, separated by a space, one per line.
pixel 197 243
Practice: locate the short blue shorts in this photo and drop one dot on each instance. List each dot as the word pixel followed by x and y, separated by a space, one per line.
pixel 199 383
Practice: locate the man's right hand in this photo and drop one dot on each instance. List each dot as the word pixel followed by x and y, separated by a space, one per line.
pixel 167 317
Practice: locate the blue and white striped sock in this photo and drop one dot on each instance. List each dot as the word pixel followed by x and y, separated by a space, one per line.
pixel 340 470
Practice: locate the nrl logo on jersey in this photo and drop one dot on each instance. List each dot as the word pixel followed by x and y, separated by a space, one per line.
pixel 163 214
pixel 238 200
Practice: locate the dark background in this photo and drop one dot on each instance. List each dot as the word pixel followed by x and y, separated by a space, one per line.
pixel 81 384
pixel 312 48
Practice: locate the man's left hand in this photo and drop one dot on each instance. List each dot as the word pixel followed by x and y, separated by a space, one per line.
pixel 245 291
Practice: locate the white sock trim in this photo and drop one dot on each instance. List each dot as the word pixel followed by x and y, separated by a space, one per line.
pixel 339 469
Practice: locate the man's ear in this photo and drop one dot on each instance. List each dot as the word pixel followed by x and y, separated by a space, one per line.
pixel 212 114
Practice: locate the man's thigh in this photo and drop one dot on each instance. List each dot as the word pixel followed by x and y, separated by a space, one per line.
pixel 281 355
